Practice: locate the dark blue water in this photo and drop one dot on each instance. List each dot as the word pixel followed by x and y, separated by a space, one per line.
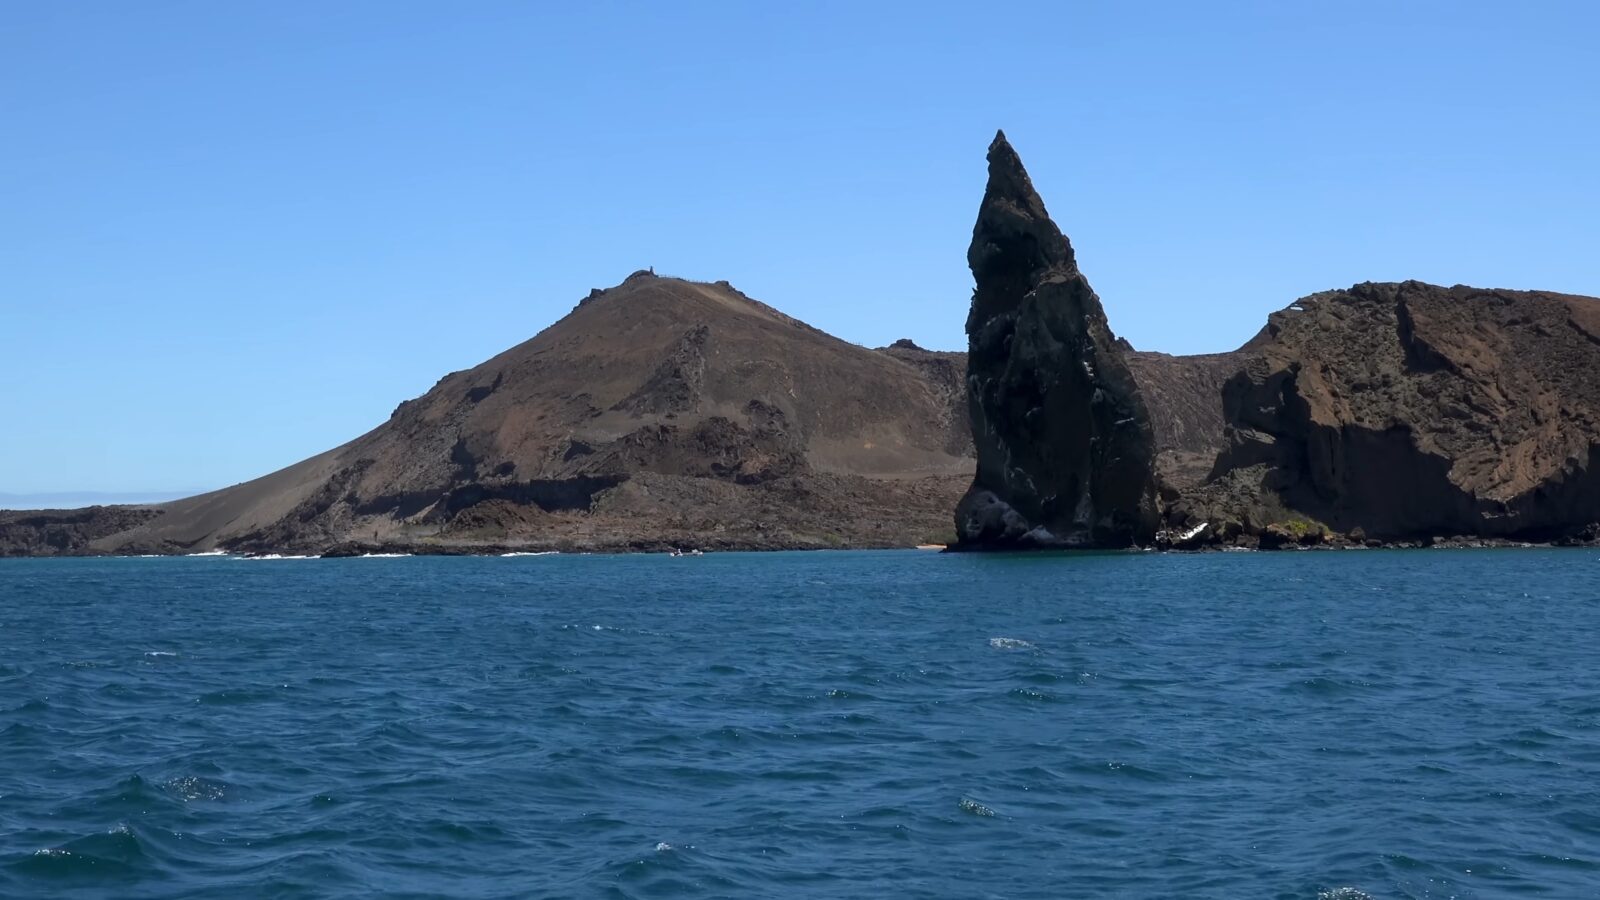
pixel 1383 724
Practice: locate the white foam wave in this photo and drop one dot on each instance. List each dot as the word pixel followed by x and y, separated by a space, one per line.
pixel 159 653
pixel 975 808
pixel 382 555
pixel 209 553
pixel 530 553
pixel 275 556
pixel 1005 643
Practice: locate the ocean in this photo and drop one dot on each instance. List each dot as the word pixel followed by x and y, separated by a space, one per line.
pixel 1372 724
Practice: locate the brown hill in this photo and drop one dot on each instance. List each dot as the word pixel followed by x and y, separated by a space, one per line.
pixel 659 412
pixel 1184 397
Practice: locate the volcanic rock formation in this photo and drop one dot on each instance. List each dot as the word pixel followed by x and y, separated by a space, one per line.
pixel 658 413
pixel 1410 411
pixel 1066 454
pixel 1386 413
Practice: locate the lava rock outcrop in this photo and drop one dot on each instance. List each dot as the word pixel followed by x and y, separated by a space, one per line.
pixel 1406 412
pixel 1065 448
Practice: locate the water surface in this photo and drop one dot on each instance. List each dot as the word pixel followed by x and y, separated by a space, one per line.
pixel 1383 724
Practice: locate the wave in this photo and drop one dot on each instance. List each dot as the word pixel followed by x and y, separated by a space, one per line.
pixel 1005 643
pixel 112 853
pixel 190 788
pixel 530 553
pixel 275 556
pixel 974 808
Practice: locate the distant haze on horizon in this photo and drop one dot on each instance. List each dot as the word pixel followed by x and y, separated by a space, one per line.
pixel 233 236
pixel 75 499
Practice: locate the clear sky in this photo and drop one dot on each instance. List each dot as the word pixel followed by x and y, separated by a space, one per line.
pixel 235 234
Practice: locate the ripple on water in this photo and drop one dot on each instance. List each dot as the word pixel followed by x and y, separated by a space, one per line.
pixel 1034 695
pixel 238 696
pixel 116 854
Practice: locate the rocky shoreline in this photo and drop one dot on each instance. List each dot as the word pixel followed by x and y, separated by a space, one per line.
pixel 1456 543
pixel 1274 538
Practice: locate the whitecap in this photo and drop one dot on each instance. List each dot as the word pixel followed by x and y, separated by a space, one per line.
pixel 209 553
pixel 382 555
pixel 275 556
pixel 193 787
pixel 153 654
pixel 528 553
pixel 1344 893
pixel 973 807
pixel 1005 643
pixel 663 847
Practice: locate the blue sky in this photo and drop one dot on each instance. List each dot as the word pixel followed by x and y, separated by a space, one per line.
pixel 234 235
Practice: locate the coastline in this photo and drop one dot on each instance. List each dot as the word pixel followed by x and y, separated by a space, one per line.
pixel 647 546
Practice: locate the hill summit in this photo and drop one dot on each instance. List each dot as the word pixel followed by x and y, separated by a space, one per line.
pixel 659 412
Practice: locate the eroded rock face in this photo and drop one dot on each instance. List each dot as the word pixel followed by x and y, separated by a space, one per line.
pixel 1408 411
pixel 1065 449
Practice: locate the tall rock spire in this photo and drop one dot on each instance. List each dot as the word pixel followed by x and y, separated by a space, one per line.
pixel 1066 456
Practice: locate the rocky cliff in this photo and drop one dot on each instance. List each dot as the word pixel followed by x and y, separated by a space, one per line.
pixel 1065 449
pixel 1412 412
